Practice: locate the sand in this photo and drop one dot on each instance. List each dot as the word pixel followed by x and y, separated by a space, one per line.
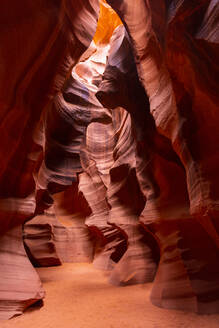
pixel 78 296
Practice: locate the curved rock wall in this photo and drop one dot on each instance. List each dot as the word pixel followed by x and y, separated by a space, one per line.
pixel 34 66
pixel 40 42
pixel 146 157
pixel 181 194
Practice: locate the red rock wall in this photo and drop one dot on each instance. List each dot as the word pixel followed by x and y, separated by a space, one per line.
pixel 40 42
pixel 181 192
pixel 156 164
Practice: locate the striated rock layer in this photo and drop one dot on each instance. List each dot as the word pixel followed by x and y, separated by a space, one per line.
pixel 20 285
pixel 58 33
pixel 40 42
pixel 142 142
pixel 39 242
pixel 72 237
pixel 181 191
pixel 49 242
pixel 110 186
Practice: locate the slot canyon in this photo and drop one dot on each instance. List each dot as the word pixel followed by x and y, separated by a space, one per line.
pixel 109 170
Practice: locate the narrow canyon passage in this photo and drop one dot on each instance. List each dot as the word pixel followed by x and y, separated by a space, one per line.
pixel 109 156
pixel 79 296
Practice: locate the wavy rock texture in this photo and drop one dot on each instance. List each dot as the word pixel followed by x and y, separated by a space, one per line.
pixel 194 27
pixel 97 159
pixel 40 42
pixel 72 237
pixel 51 241
pixel 171 63
pixel 154 155
pixel 110 186
pixel 110 243
pixel 114 197
pixel 54 43
pixel 39 242
pixel 20 284
pixel 65 128
pixel 60 235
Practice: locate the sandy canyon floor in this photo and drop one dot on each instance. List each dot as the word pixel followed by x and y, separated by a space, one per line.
pixel 79 296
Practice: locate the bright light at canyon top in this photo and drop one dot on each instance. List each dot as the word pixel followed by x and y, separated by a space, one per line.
pixel 93 61
pixel 108 21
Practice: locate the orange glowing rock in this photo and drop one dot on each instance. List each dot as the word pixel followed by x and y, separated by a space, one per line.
pixel 108 21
